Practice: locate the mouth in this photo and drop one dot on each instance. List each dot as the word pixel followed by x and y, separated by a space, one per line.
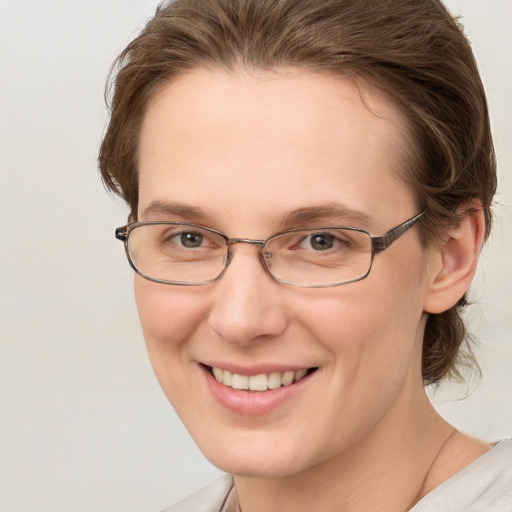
pixel 260 382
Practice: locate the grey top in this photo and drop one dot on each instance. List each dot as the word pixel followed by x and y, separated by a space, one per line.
pixel 483 486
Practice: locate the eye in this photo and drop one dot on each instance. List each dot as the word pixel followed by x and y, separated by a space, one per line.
pixel 190 239
pixel 325 241
pixel 184 237
pixel 322 241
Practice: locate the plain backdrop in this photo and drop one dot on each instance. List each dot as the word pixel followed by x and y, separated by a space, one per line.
pixel 83 424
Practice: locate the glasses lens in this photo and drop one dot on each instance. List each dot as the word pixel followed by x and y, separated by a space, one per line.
pixel 176 252
pixel 319 256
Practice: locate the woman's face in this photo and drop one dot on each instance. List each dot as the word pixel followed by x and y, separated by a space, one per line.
pixel 250 156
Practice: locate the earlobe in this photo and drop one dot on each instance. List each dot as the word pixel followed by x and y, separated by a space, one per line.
pixel 455 262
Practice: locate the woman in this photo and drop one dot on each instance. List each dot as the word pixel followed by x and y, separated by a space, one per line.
pixel 310 184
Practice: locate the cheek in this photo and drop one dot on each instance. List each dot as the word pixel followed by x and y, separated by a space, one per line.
pixel 168 315
pixel 371 328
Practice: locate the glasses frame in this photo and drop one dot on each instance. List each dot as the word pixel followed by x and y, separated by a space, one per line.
pixel 378 244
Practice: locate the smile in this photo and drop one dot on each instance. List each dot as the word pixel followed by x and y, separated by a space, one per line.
pixel 261 382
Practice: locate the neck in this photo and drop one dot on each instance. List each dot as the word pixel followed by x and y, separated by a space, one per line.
pixel 392 465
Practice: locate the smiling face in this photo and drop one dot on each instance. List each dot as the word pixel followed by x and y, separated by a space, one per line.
pixel 251 156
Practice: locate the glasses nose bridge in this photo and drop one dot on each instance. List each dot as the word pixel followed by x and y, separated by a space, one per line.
pixel 250 241
pixel 231 242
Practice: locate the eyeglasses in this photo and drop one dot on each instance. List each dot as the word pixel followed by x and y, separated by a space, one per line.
pixel 189 254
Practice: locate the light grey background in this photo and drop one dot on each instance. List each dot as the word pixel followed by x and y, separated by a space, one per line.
pixel 83 424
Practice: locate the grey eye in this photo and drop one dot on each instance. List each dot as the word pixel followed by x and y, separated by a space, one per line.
pixel 322 241
pixel 191 239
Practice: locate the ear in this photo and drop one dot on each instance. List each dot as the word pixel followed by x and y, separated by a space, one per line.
pixel 453 263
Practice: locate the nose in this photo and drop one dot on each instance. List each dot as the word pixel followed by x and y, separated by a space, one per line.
pixel 247 303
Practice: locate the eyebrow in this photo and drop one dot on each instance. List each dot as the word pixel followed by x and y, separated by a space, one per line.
pixel 330 213
pixel 172 209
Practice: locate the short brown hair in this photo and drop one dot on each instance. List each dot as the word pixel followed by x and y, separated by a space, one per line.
pixel 412 49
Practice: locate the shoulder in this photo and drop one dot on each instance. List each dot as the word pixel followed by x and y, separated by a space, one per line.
pixel 209 499
pixel 484 485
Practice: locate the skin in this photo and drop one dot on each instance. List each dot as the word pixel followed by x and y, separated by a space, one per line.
pixel 249 150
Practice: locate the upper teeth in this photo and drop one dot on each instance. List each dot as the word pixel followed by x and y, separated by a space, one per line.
pixel 260 382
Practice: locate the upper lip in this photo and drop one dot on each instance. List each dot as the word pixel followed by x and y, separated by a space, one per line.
pixel 256 369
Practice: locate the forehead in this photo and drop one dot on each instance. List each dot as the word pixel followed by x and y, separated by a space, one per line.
pixel 242 144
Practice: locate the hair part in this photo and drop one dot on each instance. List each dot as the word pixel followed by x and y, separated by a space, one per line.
pixel 411 49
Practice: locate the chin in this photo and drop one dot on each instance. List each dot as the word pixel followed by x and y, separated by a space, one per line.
pixel 258 457
pixel 258 467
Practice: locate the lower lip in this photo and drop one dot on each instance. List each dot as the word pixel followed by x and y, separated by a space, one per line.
pixel 252 403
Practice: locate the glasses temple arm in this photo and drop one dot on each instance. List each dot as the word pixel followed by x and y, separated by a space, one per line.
pixel 380 243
